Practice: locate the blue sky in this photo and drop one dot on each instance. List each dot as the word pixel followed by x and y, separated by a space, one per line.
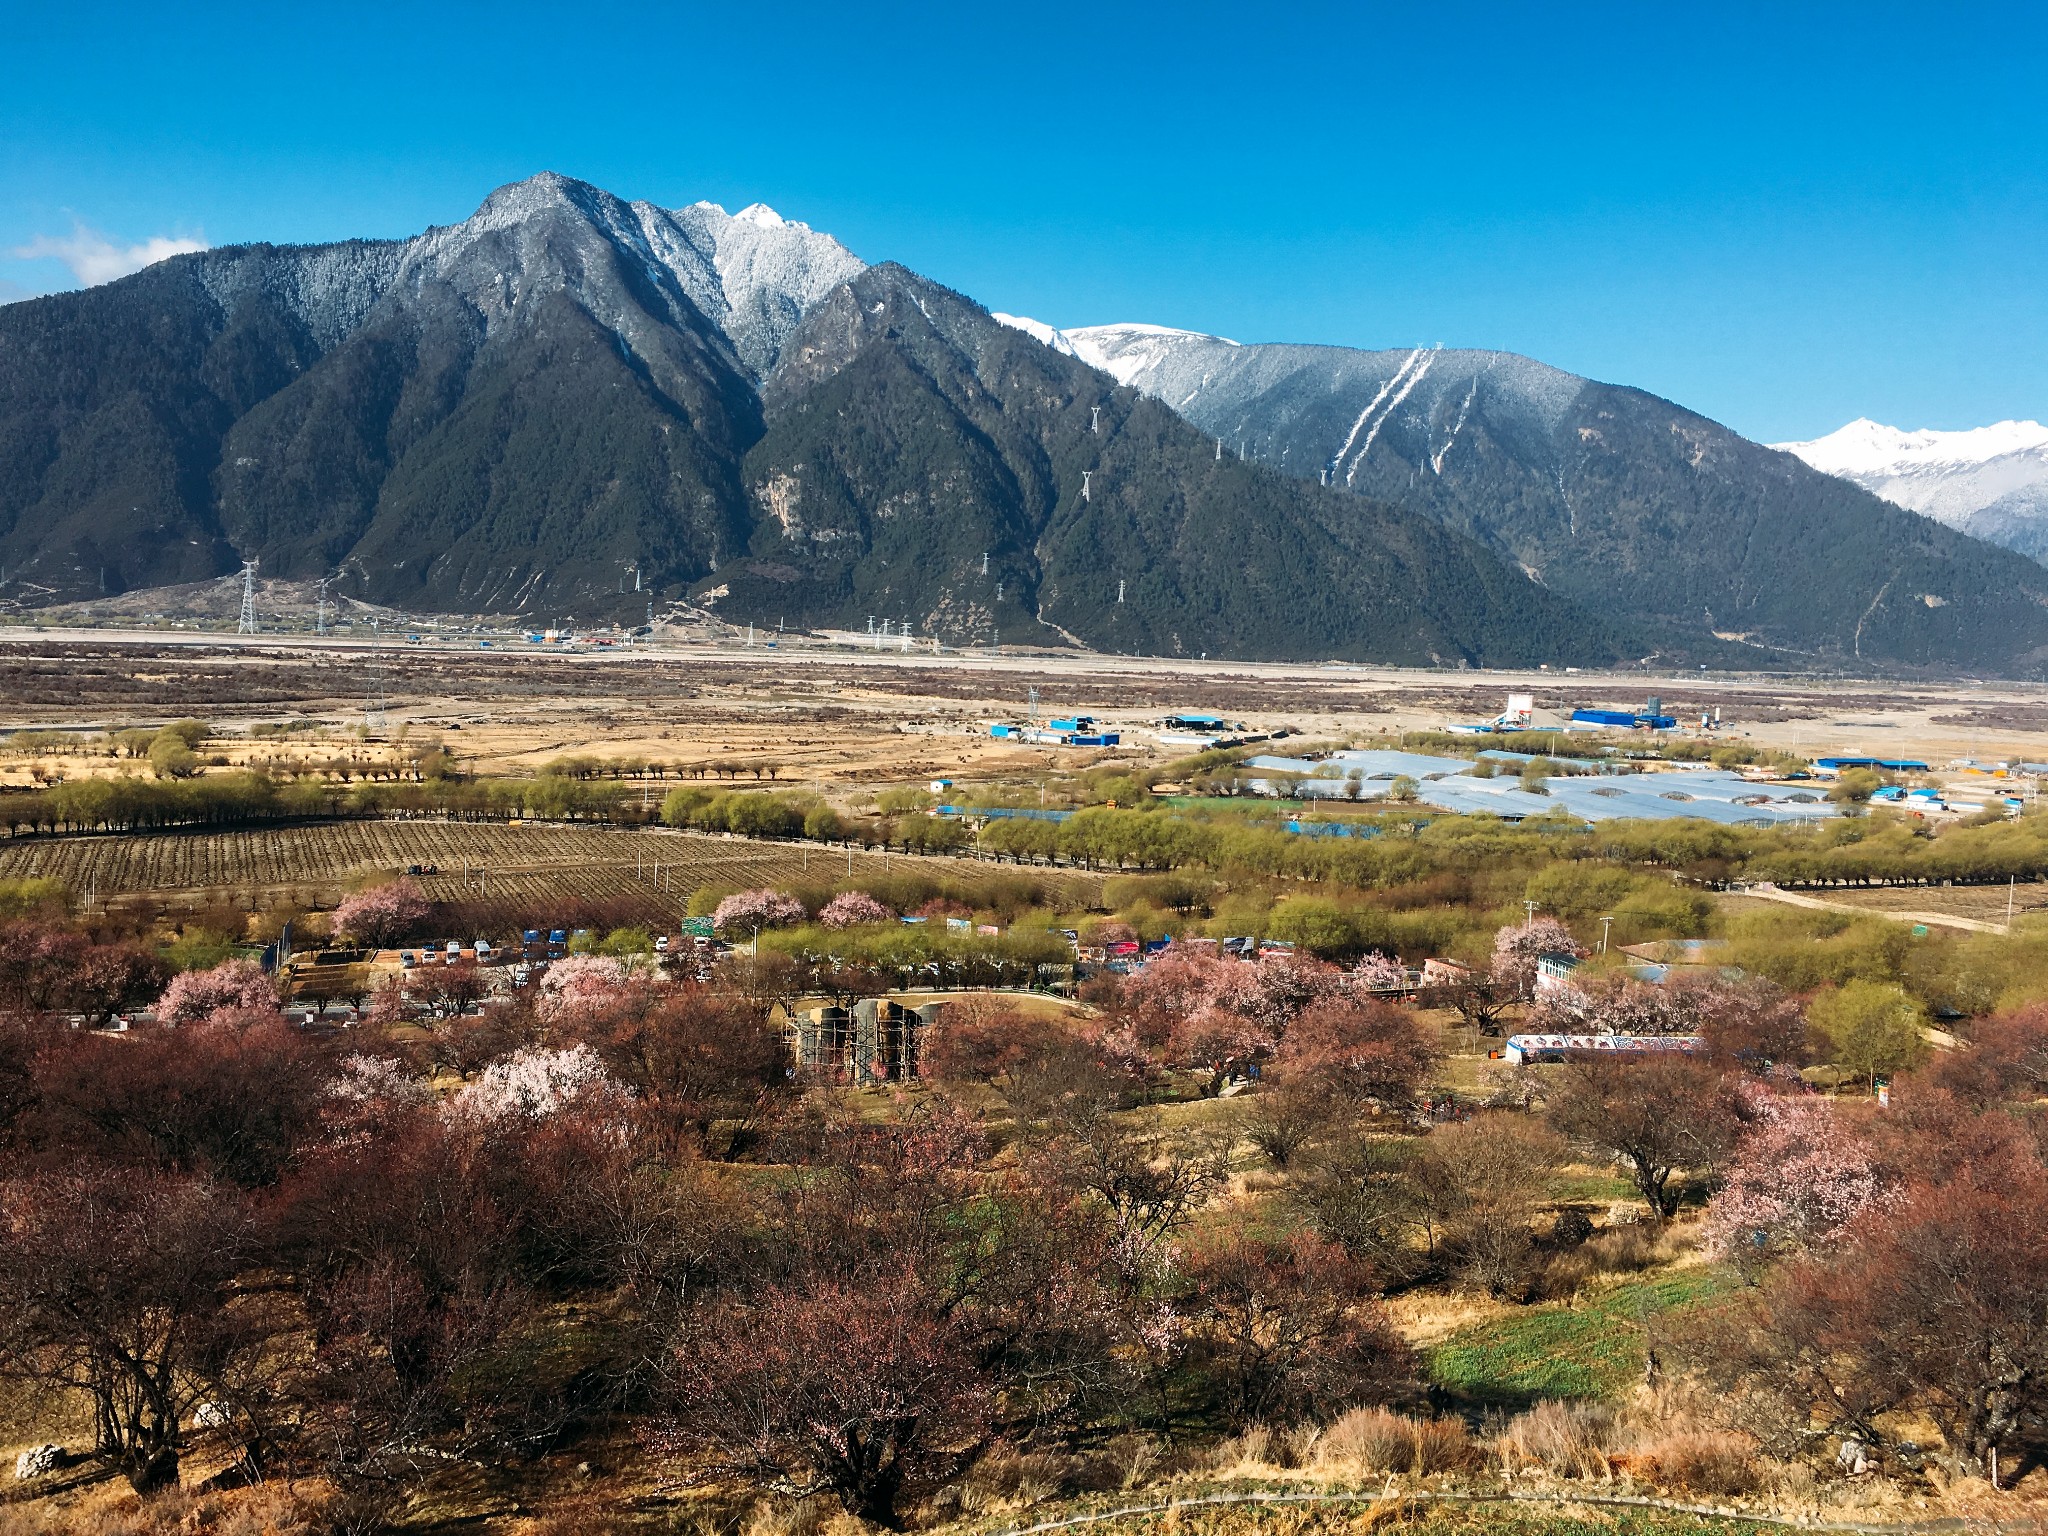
pixel 1782 215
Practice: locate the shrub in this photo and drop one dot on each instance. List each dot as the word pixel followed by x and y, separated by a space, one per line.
pixel 1442 1445
pixel 1571 1228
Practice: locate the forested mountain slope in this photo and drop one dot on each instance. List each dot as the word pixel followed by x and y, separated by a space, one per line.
pixel 569 405
pixel 1625 503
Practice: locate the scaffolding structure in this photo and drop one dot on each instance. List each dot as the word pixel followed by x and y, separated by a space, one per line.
pixel 876 1041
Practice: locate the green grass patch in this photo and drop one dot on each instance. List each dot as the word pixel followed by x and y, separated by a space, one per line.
pixel 1587 1188
pixel 1592 1350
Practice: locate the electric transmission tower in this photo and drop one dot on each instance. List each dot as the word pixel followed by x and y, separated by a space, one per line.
pixel 248 624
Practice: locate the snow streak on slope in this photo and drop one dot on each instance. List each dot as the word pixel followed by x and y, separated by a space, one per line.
pixel 1436 459
pixel 1393 405
pixel 770 271
pixel 1366 415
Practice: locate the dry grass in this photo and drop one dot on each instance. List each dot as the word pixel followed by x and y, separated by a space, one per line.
pixel 1424 1318
pixel 1624 1250
pixel 1982 903
pixel 1369 1441
pixel 272 1511
pixel 1696 1461
pixel 1563 1439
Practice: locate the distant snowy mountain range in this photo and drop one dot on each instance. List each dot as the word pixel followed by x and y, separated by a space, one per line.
pixel 1991 482
pixel 1627 504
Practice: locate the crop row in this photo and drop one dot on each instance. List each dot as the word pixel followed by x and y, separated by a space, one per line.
pixel 595 862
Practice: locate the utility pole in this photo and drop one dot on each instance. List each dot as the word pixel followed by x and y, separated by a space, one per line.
pixel 1605 924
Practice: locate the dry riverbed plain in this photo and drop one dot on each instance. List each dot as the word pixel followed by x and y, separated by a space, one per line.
pixel 844 716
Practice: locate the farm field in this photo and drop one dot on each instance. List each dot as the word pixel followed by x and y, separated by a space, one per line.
pixel 1982 903
pixel 313 864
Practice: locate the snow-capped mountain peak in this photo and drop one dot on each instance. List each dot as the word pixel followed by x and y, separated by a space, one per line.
pixel 770 271
pixel 1948 476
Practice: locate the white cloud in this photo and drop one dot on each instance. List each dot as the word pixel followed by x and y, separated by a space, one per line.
pixel 93 258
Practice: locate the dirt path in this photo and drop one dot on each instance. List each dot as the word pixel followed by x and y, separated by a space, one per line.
pixel 1768 892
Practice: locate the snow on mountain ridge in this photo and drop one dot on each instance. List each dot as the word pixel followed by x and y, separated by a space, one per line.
pixel 1866 447
pixel 1128 350
pixel 1988 481
pixel 753 274
pixel 1037 330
